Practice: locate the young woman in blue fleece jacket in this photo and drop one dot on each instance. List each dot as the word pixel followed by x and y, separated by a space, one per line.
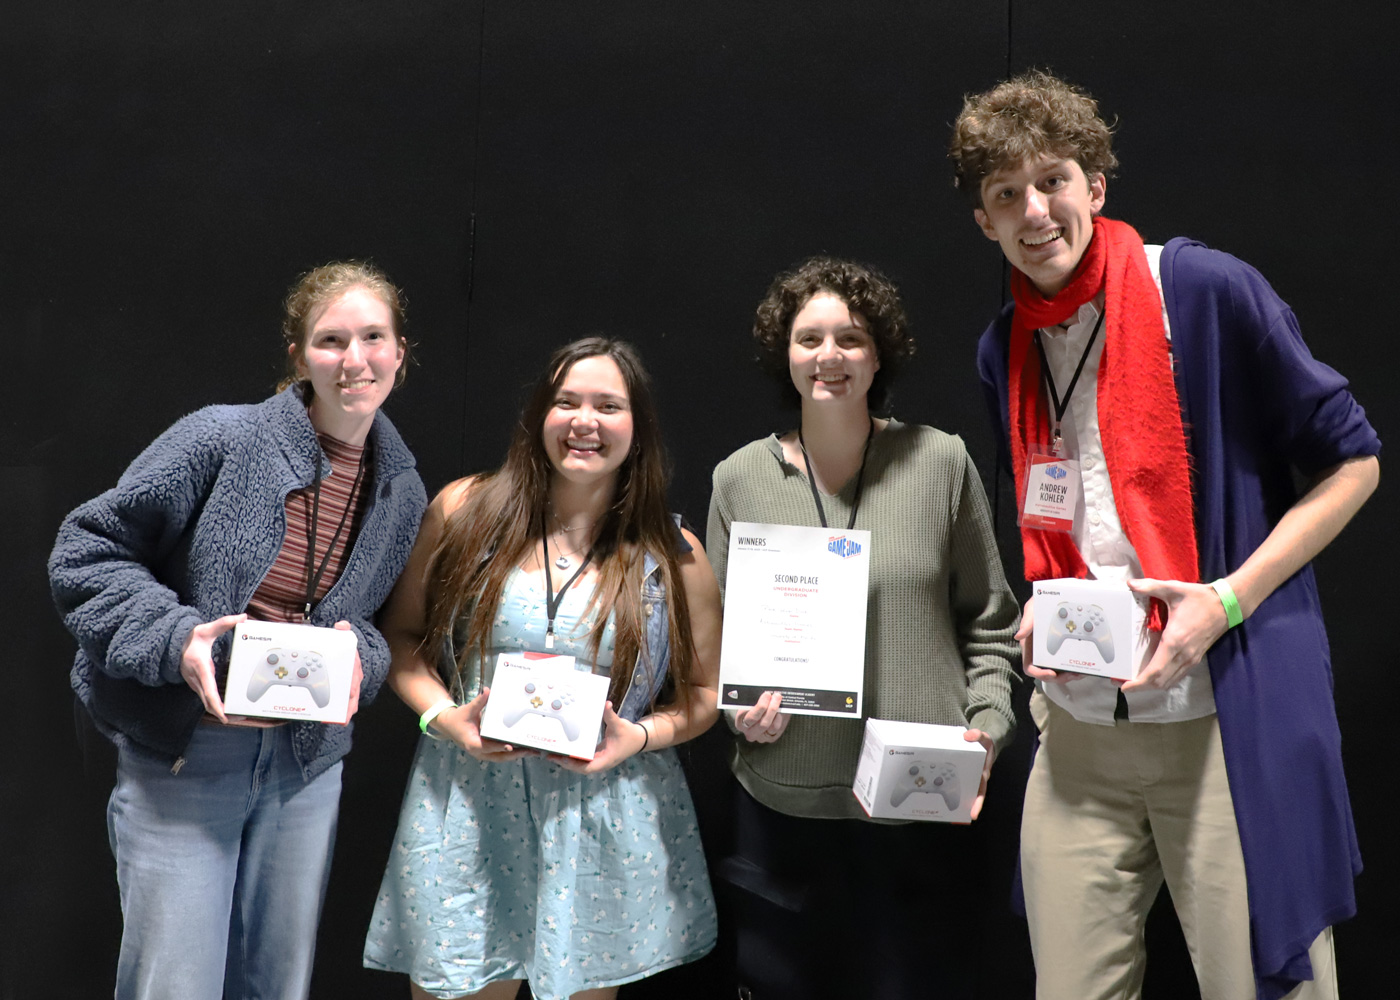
pixel 222 827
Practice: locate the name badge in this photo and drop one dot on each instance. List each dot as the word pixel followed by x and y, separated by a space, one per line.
pixel 1052 493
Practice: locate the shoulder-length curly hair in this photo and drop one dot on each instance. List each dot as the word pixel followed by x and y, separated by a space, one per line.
pixel 864 290
pixel 489 534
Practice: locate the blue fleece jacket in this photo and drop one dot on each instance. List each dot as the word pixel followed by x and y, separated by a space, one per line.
pixel 187 535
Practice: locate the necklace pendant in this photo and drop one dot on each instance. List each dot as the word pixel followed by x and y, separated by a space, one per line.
pixel 562 562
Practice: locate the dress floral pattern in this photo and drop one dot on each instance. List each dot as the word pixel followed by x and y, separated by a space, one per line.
pixel 525 870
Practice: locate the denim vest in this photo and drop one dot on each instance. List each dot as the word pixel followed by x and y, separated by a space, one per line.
pixel 655 655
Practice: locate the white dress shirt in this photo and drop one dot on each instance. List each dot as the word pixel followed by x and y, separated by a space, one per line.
pixel 1099 535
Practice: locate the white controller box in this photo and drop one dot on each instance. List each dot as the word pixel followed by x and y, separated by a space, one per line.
pixel 278 670
pixel 1096 627
pixel 543 702
pixel 909 770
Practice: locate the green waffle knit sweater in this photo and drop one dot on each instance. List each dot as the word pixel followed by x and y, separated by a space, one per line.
pixel 940 617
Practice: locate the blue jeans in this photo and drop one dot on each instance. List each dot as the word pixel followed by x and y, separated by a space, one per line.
pixel 222 867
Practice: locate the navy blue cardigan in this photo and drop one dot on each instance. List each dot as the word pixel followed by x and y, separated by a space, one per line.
pixel 1256 405
pixel 187 536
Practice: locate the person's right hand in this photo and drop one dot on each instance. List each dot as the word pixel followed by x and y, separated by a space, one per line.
pixel 197 663
pixel 763 723
pixel 1023 636
pixel 462 725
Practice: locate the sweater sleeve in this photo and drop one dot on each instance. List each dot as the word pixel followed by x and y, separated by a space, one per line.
pixel 103 569
pixel 717 528
pixel 985 611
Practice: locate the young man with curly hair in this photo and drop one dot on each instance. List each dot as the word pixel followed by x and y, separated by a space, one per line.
pixel 1178 381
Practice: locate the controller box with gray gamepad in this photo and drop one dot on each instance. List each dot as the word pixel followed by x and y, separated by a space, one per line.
pixel 1096 627
pixel 278 670
pixel 545 703
pixel 909 770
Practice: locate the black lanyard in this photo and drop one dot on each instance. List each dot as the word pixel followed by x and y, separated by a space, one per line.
pixel 552 600
pixel 860 477
pixel 1061 405
pixel 314 573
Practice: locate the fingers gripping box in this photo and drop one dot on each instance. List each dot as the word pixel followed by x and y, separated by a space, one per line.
pixel 545 704
pixel 1094 627
pixel 909 770
pixel 283 671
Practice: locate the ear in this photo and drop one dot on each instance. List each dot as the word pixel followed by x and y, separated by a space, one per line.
pixel 980 217
pixel 1098 188
pixel 300 362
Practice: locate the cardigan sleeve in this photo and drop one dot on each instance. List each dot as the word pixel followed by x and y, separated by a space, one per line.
pixel 985 611
pixel 1312 418
pixel 103 568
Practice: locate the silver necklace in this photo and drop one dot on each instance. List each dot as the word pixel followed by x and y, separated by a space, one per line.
pixel 563 561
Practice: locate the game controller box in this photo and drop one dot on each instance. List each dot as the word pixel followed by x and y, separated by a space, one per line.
pixel 543 702
pixel 909 770
pixel 1094 627
pixel 278 670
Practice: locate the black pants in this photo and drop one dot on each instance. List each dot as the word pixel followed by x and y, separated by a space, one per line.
pixel 852 909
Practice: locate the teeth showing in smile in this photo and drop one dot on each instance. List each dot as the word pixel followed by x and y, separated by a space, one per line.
pixel 828 378
pixel 582 445
pixel 357 384
pixel 1036 241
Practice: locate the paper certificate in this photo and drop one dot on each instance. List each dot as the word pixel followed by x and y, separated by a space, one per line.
pixel 794 618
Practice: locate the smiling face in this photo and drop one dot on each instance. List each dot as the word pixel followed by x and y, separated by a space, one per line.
pixel 1041 212
pixel 831 355
pixel 587 432
pixel 350 357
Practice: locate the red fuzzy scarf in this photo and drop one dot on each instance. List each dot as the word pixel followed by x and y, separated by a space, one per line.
pixel 1139 413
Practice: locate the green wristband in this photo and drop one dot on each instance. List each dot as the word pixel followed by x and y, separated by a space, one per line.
pixel 432 713
pixel 1228 600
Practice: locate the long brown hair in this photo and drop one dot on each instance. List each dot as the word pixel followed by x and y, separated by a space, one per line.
pixel 498 522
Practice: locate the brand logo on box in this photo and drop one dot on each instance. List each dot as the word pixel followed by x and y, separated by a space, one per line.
pixel 901 753
pixel 256 638
pixel 843 546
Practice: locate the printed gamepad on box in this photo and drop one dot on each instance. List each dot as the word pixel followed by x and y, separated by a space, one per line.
pixel 546 704
pixel 909 770
pixel 284 671
pixel 1094 627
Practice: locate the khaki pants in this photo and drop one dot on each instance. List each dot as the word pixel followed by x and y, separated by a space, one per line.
pixel 1111 812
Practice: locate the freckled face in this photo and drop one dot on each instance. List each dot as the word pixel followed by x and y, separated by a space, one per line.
pixel 587 433
pixel 1042 214
pixel 350 357
pixel 831 354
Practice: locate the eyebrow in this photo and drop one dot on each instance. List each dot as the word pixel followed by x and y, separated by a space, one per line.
pixel 840 329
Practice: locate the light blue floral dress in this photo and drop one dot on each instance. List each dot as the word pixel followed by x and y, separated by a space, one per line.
pixel 525 870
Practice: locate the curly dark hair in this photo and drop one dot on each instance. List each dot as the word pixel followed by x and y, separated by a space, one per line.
pixel 864 290
pixel 1026 117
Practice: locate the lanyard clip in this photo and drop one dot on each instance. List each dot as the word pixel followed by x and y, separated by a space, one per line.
pixel 1057 443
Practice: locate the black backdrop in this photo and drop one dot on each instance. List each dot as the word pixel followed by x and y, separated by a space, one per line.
pixel 535 171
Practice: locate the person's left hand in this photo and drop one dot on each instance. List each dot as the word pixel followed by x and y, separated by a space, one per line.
pixel 1195 620
pixel 621 739
pixel 977 736
pixel 357 677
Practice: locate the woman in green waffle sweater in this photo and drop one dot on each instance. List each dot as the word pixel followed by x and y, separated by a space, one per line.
pixel 809 865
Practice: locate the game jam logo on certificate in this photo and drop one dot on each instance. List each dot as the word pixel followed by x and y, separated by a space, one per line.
pixel 843 546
